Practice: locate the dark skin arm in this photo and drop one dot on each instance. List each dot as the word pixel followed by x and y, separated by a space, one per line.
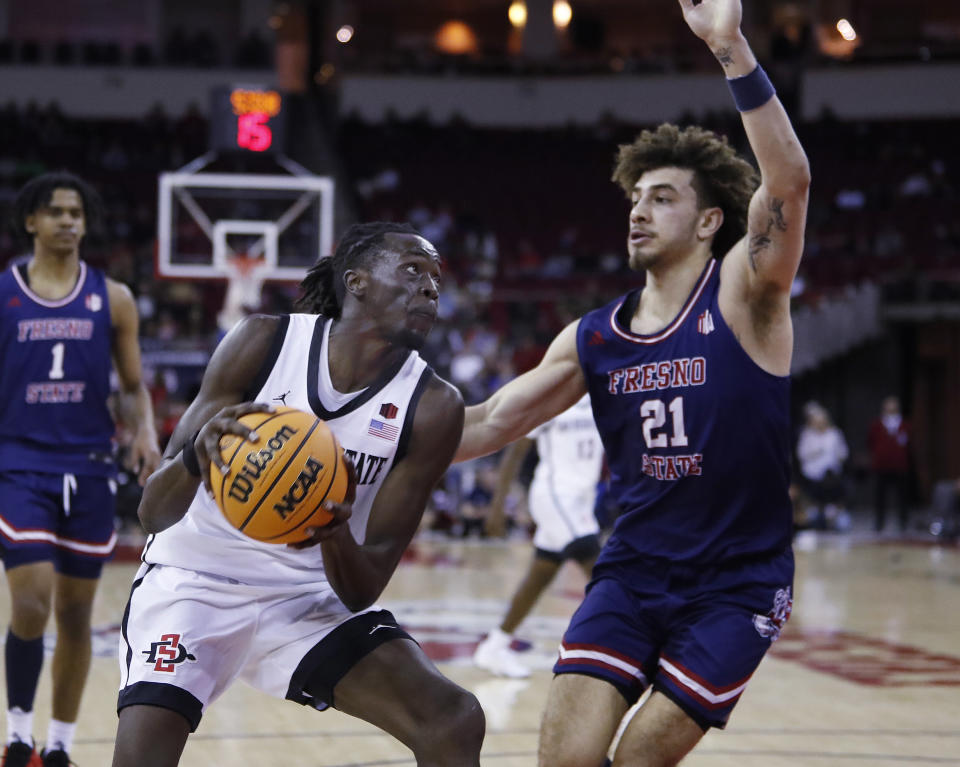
pixel 136 408
pixel 360 572
pixel 510 464
pixel 215 411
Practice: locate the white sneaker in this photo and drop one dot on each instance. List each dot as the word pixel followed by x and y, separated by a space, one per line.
pixel 499 660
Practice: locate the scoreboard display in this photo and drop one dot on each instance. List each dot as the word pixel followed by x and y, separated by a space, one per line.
pixel 247 119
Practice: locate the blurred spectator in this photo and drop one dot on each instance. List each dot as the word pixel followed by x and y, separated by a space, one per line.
pixel 478 482
pixel 253 51
pixel 945 509
pixel 436 228
pixel 889 442
pixel 29 52
pixel 822 452
pixel 526 260
pixel 143 55
pixel 917 184
pixel 791 45
pixel 204 51
pixel 176 51
pixel 64 53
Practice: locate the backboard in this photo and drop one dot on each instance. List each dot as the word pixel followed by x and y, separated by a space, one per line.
pixel 205 219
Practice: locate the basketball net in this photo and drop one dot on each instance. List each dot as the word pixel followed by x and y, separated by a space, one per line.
pixel 244 286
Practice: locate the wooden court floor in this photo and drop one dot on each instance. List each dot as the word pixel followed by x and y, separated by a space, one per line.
pixel 867 671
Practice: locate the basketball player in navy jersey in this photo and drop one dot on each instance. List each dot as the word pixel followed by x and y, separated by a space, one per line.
pixel 61 322
pixel 211 605
pixel 688 378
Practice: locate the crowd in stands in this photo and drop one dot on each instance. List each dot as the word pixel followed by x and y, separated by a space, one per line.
pixel 182 48
pixel 530 226
pixel 384 44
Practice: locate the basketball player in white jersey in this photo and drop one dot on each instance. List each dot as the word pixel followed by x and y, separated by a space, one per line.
pixel 561 500
pixel 210 605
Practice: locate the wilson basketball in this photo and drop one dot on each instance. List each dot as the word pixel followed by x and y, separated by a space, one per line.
pixel 277 485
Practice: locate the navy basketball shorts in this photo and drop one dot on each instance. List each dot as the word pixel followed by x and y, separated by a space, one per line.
pixel 696 636
pixel 65 519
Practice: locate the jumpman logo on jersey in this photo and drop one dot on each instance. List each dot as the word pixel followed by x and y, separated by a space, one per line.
pixel 282 399
pixel 379 626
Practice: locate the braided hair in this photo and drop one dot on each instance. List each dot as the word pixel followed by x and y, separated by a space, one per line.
pixel 323 287
pixel 38 192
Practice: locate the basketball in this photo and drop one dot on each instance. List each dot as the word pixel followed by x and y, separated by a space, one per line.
pixel 277 485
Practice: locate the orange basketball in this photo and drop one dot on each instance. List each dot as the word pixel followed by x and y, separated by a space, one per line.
pixel 277 485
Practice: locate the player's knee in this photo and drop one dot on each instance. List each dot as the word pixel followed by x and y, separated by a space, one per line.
pixel 29 613
pixel 74 617
pixel 564 746
pixel 458 726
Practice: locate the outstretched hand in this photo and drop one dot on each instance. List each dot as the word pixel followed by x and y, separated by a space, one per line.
pixel 712 20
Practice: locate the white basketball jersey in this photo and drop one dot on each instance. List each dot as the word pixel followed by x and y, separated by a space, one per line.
pixel 564 486
pixel 373 426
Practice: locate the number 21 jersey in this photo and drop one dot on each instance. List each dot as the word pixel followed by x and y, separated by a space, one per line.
pixel 697 435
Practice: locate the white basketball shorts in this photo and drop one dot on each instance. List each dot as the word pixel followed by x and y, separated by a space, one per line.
pixel 186 636
pixel 560 520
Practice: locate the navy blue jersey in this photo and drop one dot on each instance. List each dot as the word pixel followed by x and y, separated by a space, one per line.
pixel 55 360
pixel 697 435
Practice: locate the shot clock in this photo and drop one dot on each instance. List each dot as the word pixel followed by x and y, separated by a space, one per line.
pixel 246 118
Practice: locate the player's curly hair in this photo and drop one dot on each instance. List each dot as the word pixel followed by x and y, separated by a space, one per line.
pixel 323 287
pixel 721 178
pixel 38 192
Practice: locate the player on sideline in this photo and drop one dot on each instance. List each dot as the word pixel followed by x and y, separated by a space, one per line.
pixel 61 321
pixel 299 622
pixel 561 500
pixel 689 381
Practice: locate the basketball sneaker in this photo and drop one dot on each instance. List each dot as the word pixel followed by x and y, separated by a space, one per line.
pixel 56 758
pixel 20 754
pixel 493 654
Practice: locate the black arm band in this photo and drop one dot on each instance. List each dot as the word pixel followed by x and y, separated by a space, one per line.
pixel 188 454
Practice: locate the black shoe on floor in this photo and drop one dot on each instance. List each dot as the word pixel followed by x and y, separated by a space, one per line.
pixel 57 758
pixel 20 754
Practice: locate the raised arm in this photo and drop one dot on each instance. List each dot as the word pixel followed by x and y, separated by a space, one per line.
pixel 213 413
pixel 360 572
pixel 527 401
pixel 759 270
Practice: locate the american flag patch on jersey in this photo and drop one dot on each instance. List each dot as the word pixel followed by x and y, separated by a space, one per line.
pixel 383 430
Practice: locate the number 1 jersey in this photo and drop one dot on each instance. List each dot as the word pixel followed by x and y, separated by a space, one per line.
pixel 697 435
pixel 55 362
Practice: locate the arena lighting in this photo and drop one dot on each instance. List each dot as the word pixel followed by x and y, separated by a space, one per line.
pixel 456 38
pixel 517 13
pixel 345 33
pixel 562 13
pixel 846 30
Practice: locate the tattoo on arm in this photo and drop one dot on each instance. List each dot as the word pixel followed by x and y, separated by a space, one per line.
pixel 724 56
pixel 761 240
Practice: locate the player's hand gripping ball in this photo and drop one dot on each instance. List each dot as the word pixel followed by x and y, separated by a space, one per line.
pixel 277 485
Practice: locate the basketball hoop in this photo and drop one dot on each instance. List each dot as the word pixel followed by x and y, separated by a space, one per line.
pixel 245 276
